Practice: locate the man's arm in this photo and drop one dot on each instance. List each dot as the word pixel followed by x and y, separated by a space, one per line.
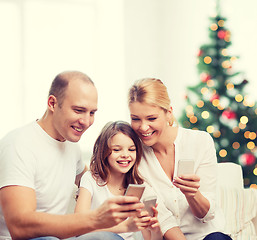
pixel 19 209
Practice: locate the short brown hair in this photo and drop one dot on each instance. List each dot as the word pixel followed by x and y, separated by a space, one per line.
pixel 61 82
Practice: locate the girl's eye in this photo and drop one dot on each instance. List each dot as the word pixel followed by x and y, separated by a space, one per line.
pixel 132 149
pixel 115 149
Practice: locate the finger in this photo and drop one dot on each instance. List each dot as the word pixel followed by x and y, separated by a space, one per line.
pixel 190 177
pixel 192 184
pixel 124 199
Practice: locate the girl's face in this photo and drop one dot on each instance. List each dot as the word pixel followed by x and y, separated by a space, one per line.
pixel 123 155
pixel 149 122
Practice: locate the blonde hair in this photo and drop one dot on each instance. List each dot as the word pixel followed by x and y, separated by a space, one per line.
pixel 151 91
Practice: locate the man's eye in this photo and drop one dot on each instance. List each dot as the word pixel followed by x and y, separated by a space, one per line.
pixel 92 113
pixel 78 110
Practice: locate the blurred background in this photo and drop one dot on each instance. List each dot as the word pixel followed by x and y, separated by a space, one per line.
pixel 115 42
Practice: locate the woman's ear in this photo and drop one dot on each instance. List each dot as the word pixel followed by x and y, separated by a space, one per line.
pixel 52 101
pixel 170 116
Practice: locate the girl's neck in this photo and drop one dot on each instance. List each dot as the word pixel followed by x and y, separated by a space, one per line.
pixel 115 184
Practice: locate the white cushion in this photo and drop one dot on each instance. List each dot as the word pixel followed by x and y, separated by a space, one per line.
pixel 230 175
pixel 239 207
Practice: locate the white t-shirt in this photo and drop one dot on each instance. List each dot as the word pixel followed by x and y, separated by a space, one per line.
pixel 199 146
pixel 30 157
pixel 100 193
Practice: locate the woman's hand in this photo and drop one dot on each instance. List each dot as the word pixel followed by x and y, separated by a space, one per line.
pixel 188 184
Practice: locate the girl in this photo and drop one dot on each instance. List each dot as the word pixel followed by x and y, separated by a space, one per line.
pixel 114 165
pixel 190 197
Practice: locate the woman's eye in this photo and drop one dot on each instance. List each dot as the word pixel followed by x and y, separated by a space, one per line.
pixel 135 119
pixel 152 119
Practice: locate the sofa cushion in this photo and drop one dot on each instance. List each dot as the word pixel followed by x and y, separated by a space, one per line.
pixel 239 207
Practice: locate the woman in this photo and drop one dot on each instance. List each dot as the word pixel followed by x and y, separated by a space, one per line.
pixel 190 197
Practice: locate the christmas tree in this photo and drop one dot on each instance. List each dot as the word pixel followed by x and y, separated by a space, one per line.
pixel 219 105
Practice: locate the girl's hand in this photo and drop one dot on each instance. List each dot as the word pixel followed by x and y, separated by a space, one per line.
pixel 188 184
pixel 154 225
pixel 138 223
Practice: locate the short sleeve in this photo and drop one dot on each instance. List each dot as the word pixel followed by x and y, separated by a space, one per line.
pixel 87 182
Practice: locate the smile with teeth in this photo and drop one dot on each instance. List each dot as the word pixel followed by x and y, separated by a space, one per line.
pixel 147 134
pixel 123 162
pixel 78 129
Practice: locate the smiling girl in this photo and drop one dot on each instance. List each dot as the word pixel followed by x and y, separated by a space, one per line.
pixel 114 165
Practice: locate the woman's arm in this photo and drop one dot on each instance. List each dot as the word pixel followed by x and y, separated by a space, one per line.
pixel 201 197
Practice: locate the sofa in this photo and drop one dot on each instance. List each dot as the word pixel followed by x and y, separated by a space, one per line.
pixel 239 204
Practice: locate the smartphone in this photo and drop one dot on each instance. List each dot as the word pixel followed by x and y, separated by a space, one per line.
pixel 185 166
pixel 135 190
pixel 149 203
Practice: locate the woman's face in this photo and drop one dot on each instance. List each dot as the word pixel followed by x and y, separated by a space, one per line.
pixel 149 122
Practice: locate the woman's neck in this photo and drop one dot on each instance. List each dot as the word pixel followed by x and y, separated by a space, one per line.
pixel 166 141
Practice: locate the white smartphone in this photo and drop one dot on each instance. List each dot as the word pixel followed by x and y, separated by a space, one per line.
pixel 149 203
pixel 185 166
pixel 135 190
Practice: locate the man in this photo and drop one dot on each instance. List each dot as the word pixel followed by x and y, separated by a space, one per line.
pixel 40 162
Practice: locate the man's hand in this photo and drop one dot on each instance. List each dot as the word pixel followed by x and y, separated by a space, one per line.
pixel 115 210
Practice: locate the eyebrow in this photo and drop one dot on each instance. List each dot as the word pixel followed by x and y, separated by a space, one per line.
pixel 84 108
pixel 152 115
pixel 117 145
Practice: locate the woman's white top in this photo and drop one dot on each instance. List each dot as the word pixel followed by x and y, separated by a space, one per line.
pixel 198 146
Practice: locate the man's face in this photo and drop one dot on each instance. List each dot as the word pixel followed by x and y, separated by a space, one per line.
pixel 76 113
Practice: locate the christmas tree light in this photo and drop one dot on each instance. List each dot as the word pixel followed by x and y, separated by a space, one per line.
pixel 219 105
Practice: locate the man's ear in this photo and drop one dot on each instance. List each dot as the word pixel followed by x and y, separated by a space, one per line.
pixel 52 101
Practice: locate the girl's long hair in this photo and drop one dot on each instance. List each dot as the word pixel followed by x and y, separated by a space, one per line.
pixel 99 165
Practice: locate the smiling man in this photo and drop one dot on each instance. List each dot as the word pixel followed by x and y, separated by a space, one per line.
pixel 40 162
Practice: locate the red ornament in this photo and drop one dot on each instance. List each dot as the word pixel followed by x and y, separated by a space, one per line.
pixel 205 77
pixel 228 114
pixel 200 53
pixel 247 159
pixel 222 34
pixel 214 96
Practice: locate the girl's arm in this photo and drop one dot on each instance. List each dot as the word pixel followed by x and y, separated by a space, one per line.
pixel 84 201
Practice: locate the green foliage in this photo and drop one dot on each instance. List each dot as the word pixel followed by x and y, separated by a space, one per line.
pixel 218 104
